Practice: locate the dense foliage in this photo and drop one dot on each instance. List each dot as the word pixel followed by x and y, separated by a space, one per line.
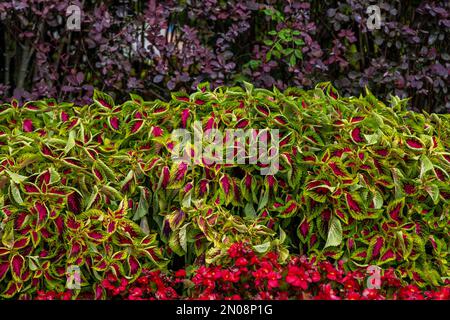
pixel 120 47
pixel 96 186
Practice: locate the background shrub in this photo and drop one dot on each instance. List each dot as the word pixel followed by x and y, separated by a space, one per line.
pixel 120 48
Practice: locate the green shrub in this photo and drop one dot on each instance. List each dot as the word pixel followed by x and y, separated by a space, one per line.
pixel 358 181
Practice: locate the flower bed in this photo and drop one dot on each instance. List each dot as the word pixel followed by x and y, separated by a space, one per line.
pixel 95 189
pixel 245 275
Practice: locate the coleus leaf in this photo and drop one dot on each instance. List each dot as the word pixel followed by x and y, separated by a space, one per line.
pixel 395 209
pixel 42 214
pixel 11 290
pixel 103 100
pixel 414 143
pixel 304 231
pixel 4 268
pixel 17 266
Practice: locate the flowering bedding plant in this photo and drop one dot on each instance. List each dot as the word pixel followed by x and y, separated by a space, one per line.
pixel 95 188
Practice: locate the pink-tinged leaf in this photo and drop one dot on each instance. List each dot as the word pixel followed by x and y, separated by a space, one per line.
pixel 112 227
pixel 32 107
pixel 289 210
pixel 72 223
pixel 72 162
pixel 184 117
pixel 101 265
pixel 47 152
pixel 242 124
pixel 263 110
pixel 210 123
pixel 203 186
pixel 133 264
pixel 20 220
pixel 4 267
pixel 337 170
pixel 388 255
pixel 309 159
pixel 440 174
pixel 114 123
pixel 304 228
pixel 341 215
pixel 75 249
pixel 351 203
pixel 73 123
pixel 64 116
pixel 97 174
pixel 27 125
pixel 377 247
pixel 157 131
pixel 97 235
pixel 415 144
pixel 74 202
pixel 338 153
pixel 20 243
pixel 104 103
pixel 181 172
pixel 356 135
pixel 409 188
pixel 160 110
pixel 165 177
pixel 225 183
pixel 435 143
pixel 17 265
pixel 280 120
pixel 137 125
pixel 12 288
pixel 4 251
pixel 446 157
pixel 42 212
pixel 121 255
pixel 98 292
pixel 184 99
pixel 30 188
pixel 395 208
pixel 357 119
pixel 35 238
pixel 382 152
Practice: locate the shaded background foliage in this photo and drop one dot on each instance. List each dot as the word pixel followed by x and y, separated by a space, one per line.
pixel 154 47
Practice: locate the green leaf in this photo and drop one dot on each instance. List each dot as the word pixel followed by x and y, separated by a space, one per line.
pixel 262 248
pixel 70 141
pixel 377 200
pixel 249 210
pixel 17 178
pixel 263 200
pixel 143 206
pixel 334 233
pixel 425 165
pixel 433 191
pixel 54 175
pixel 16 193
pixel 292 61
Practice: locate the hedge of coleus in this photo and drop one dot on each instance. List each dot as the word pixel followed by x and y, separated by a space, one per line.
pixel 95 186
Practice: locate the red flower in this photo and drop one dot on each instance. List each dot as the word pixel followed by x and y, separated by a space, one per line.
pixel 296 277
pixel 180 273
pixel 241 262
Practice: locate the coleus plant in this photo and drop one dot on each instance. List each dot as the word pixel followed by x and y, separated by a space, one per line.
pixel 357 180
